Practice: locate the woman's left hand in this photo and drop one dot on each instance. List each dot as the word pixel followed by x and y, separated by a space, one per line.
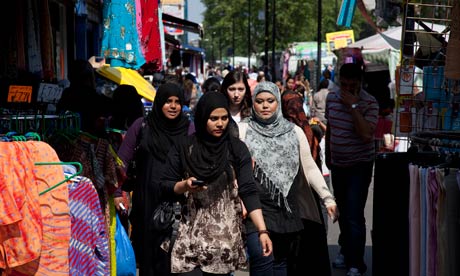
pixel 333 213
pixel 266 242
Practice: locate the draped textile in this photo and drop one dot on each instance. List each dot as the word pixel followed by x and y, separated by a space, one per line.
pixel 120 41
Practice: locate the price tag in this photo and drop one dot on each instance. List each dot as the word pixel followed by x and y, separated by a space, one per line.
pixel 19 94
pixel 49 93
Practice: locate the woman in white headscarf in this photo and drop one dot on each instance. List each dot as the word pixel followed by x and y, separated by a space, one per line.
pixel 285 172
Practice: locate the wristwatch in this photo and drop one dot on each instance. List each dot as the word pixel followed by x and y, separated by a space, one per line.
pixel 354 106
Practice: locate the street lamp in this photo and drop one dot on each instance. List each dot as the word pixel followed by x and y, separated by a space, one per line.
pixel 249 35
pixel 212 48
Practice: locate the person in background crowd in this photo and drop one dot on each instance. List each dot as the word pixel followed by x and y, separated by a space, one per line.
pixel 285 175
pixel 81 97
pixel 319 102
pixel 190 92
pixel 279 83
pixel 209 241
pixel 158 79
pixel 127 107
pixel 319 122
pixel 290 84
pixel 148 142
pixel 210 84
pixel 352 116
pixel 292 107
pixel 313 242
pixel 236 88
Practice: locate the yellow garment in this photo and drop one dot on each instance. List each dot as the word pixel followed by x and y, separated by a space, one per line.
pixel 122 75
pixel 113 227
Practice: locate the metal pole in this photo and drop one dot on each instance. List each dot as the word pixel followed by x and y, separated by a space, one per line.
pixel 266 37
pixel 212 49
pixel 318 56
pixel 233 40
pixel 273 40
pixel 220 49
pixel 249 35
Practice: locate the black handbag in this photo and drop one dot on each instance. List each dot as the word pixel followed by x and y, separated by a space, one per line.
pixel 165 215
pixel 166 218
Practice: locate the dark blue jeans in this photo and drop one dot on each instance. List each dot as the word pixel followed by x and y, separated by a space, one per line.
pixel 279 262
pixel 351 186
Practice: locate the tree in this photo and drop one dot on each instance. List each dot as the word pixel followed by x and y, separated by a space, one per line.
pixel 295 21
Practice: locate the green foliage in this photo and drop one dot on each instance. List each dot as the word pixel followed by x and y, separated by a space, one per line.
pixel 295 21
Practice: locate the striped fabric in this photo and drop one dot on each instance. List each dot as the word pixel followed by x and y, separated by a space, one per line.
pixel 89 245
pixel 346 147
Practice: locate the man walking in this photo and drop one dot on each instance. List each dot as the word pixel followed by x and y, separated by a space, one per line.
pixel 352 115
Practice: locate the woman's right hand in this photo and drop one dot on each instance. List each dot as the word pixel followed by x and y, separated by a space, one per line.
pixel 120 201
pixel 266 242
pixel 187 186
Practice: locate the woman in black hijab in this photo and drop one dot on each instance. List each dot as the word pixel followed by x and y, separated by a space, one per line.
pixel 153 136
pixel 209 240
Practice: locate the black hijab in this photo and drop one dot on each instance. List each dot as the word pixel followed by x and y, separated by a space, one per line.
pixel 164 132
pixel 209 155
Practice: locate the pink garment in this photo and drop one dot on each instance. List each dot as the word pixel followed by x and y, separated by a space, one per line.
pixel 414 221
pixel 432 226
pixel 287 56
pixel 442 226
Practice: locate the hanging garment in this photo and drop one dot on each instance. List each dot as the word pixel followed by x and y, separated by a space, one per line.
pixel 54 213
pixel 433 79
pixel 120 41
pixel 33 41
pixel 20 219
pixel 149 31
pixel 89 244
pixel 414 221
pixel 432 221
pixel 46 41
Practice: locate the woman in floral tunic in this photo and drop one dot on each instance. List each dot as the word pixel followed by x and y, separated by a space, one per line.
pixel 209 239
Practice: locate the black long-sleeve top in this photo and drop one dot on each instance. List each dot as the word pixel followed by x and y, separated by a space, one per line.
pixel 247 190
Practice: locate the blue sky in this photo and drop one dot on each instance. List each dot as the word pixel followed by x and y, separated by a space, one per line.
pixel 195 10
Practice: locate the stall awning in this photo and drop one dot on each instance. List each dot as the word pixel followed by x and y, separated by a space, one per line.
pixel 121 75
pixel 176 22
pixel 172 41
pixel 190 48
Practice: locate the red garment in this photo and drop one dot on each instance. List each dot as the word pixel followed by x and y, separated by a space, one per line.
pixel 150 31
pixel 292 106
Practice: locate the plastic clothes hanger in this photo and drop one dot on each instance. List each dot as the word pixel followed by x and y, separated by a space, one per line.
pixel 78 164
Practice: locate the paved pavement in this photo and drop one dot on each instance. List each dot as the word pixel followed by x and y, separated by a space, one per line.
pixel 333 233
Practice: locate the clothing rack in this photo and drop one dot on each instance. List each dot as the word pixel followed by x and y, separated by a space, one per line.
pixel 43 124
pixel 78 164
pixel 440 139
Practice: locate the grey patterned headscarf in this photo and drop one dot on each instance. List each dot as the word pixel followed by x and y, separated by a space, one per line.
pixel 273 144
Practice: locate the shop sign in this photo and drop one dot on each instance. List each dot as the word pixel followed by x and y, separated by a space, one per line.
pixel 19 94
pixel 49 93
pixel 337 40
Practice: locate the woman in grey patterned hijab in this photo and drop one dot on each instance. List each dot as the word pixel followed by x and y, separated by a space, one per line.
pixel 272 142
pixel 285 173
